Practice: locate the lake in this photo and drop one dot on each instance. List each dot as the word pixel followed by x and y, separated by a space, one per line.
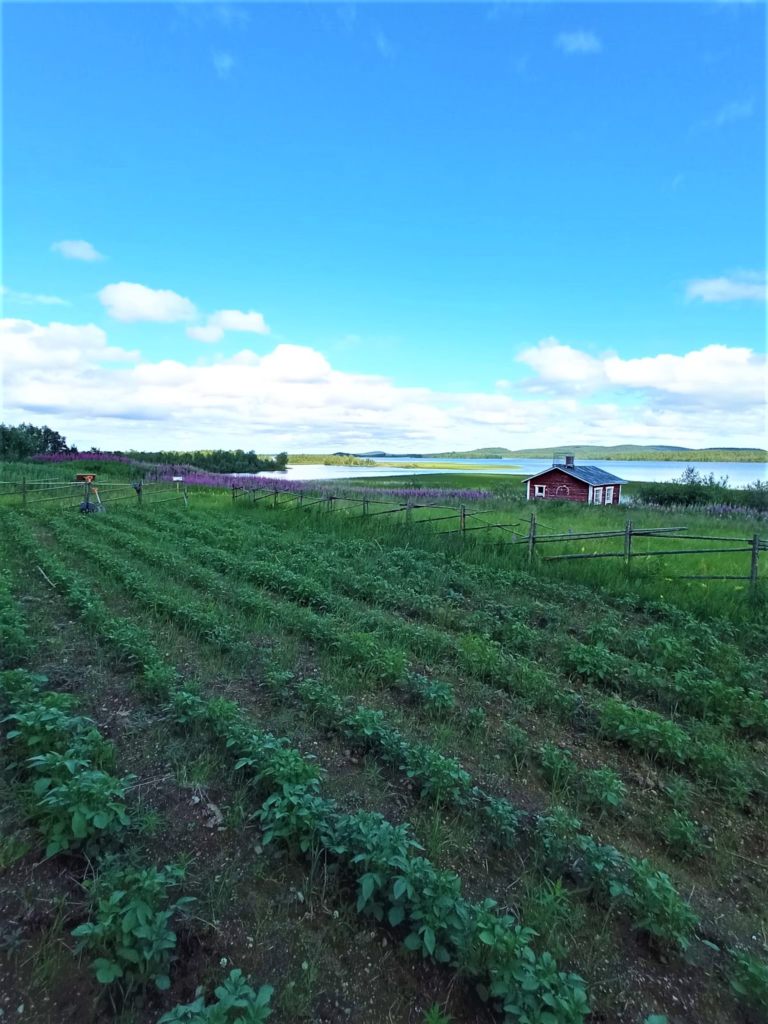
pixel 739 473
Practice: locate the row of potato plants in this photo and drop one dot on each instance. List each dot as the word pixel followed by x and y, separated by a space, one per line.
pixel 696 690
pixel 689 690
pixel 647 894
pixel 393 881
pixel 684 643
pixel 78 806
pixel 750 967
pixel 628 885
pixel 722 765
pixel 601 787
pixel 14 639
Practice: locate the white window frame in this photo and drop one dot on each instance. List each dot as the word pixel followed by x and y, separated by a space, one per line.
pixel 539 490
pixel 597 496
pixel 609 495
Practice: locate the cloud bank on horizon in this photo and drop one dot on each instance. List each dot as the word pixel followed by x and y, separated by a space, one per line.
pixel 292 397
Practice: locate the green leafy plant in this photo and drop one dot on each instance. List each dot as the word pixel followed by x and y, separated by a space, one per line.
pixel 558 766
pixel 76 802
pixel 748 978
pixel 683 837
pixel 475 719
pixel 435 694
pixel 603 789
pixel 236 1003
pixel 656 906
pixel 130 930
pixel 434 1015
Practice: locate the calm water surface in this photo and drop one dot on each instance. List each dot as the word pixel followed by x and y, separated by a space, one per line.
pixel 739 473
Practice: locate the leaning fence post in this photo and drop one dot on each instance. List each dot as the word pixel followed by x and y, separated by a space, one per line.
pixel 628 543
pixel 753 566
pixel 301 498
pixel 186 503
pixel 463 521
pixel 233 492
pixel 408 512
pixel 365 506
pixel 531 539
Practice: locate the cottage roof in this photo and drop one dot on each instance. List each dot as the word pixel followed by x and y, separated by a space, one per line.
pixel 588 474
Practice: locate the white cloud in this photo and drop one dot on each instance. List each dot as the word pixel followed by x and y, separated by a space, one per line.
pixel 27 347
pixel 132 302
pixel 293 398
pixel 711 376
pixel 208 333
pixel 234 320
pixel 578 42
pixel 742 285
pixel 77 251
pixel 228 320
pixel 735 111
pixel 223 62
pixel 28 299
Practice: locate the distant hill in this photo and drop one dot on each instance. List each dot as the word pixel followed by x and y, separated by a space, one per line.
pixel 655 452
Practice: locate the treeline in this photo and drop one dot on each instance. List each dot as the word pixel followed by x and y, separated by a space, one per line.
pixel 219 461
pixel 329 460
pixel 692 488
pixel 25 440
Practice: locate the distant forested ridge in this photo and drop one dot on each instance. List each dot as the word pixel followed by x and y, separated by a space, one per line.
pixel 219 461
pixel 655 453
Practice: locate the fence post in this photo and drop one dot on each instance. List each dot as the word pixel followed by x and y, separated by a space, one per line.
pixel 628 544
pixel 463 521
pixel 408 513
pixel 753 566
pixel 365 506
pixel 233 492
pixel 331 499
pixel 24 490
pixel 139 491
pixel 301 498
pixel 532 539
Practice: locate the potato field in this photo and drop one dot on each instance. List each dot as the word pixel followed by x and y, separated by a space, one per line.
pixel 257 767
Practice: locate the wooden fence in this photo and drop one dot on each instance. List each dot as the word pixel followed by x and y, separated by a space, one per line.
pixel 470 520
pixel 72 493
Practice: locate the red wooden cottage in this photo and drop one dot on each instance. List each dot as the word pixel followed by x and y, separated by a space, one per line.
pixel 565 481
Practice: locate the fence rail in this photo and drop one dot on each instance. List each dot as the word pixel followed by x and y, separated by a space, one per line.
pixel 73 493
pixel 754 545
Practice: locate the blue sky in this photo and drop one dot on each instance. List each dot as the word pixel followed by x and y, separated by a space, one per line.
pixel 460 224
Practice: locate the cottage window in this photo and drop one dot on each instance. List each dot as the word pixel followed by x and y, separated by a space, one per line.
pixel 539 490
pixel 608 495
pixel 598 496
